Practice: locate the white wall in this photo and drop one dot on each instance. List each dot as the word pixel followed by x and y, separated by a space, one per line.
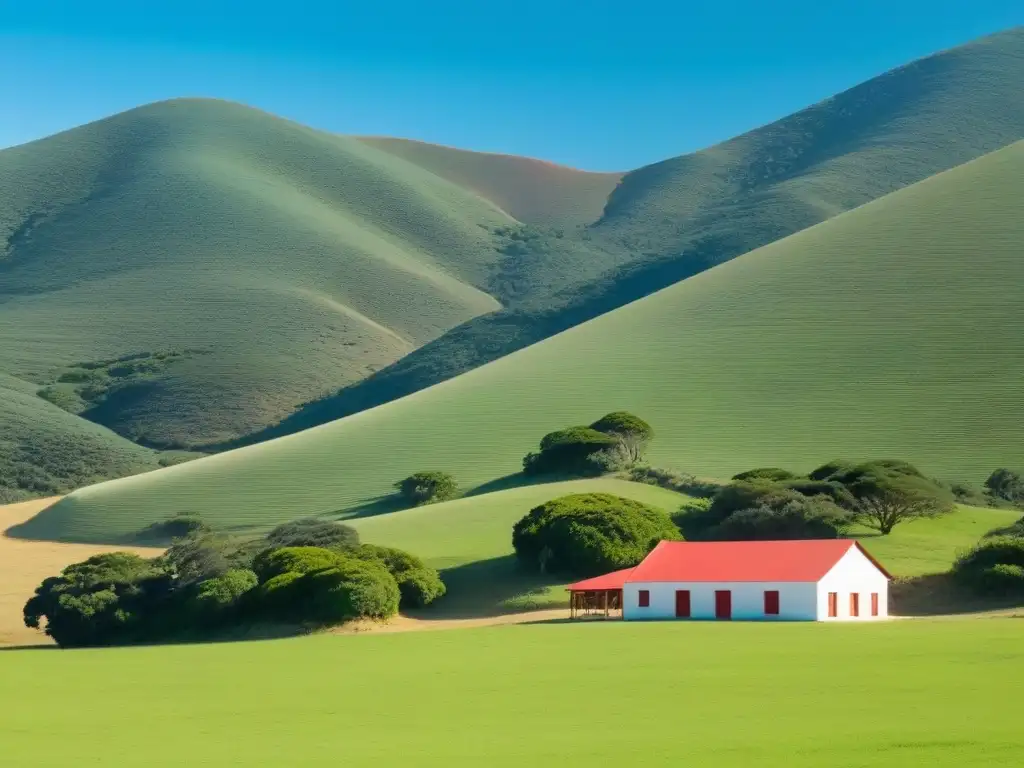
pixel 797 600
pixel 854 573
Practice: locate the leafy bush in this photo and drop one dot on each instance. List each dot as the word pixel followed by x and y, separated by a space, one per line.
pixel 771 474
pixel 806 519
pixel 419 587
pixel 589 533
pixel 763 510
pixel 346 589
pixel 313 532
pixel 428 487
pixel 681 482
pixel 104 600
pixel 993 567
pixel 274 562
pixel 632 433
pixel 1001 579
pixel 206 555
pixel 568 451
pixel 178 527
pixel 215 598
pixel 1006 484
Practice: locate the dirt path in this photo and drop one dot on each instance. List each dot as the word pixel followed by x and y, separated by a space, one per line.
pixel 410 624
pixel 24 564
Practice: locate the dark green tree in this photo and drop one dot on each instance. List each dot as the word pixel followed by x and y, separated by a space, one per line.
pixel 589 533
pixel 428 487
pixel 1006 484
pixel 632 433
pixel 313 532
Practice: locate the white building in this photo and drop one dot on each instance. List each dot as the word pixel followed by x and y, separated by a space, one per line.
pixel 819 580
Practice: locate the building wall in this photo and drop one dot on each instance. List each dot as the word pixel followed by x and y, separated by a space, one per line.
pixel 797 601
pixel 854 573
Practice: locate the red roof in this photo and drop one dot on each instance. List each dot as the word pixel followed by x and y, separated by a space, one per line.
pixel 806 561
pixel 613 580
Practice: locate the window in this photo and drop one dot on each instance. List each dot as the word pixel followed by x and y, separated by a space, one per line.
pixel 643 598
pixel 874 603
pixel 833 604
pixel 771 603
pixel 854 604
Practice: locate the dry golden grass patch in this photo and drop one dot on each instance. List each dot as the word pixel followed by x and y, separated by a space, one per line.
pixel 24 564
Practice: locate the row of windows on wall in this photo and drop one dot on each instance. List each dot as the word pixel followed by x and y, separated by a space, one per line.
pixel 771 602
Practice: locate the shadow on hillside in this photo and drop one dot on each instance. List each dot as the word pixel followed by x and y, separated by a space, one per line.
pixel 382 505
pixel 939 595
pixel 490 588
pixel 519 480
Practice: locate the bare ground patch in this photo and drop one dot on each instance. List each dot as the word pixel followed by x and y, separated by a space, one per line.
pixel 24 564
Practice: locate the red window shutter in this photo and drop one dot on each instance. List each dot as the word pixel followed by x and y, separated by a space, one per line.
pixel 643 598
pixel 874 603
pixel 833 604
pixel 854 604
pixel 771 603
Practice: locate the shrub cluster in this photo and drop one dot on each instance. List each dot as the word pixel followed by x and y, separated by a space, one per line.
pixel 772 503
pixel 614 442
pixel 680 482
pixel 589 533
pixel 994 567
pixel 207 581
pixel 428 487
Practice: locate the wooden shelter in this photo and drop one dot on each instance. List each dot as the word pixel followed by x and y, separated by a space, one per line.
pixel 599 597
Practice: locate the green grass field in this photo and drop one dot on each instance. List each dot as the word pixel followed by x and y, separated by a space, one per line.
pixel 915 692
pixel 889 331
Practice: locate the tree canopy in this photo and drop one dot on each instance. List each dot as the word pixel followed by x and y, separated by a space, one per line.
pixel 589 533
pixel 428 487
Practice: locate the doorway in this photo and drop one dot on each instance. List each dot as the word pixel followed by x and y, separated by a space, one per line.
pixel 723 604
pixel 682 603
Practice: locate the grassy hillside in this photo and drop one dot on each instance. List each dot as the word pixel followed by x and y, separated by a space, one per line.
pixel 531 191
pixel 293 259
pixel 673 219
pixel 45 450
pixel 708 694
pixel 470 540
pixel 892 330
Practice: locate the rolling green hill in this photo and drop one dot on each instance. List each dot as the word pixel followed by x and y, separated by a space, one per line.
pixel 531 191
pixel 676 218
pixel 196 273
pixel 891 330
pixel 211 226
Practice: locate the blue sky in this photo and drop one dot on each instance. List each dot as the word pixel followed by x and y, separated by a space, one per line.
pixel 589 83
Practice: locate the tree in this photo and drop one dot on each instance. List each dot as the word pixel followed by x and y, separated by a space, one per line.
pixel 1006 484
pixel 418 584
pixel 883 502
pixel 106 599
pixel 313 532
pixel 771 474
pixel 428 487
pixel 200 557
pixel 633 433
pixel 570 451
pixel 589 533
pixel 275 562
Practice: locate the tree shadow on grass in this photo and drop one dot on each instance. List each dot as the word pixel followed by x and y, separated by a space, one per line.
pixel 939 594
pixel 519 480
pixel 490 588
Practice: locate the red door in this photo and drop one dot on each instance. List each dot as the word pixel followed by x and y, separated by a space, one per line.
pixel 723 604
pixel 682 603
